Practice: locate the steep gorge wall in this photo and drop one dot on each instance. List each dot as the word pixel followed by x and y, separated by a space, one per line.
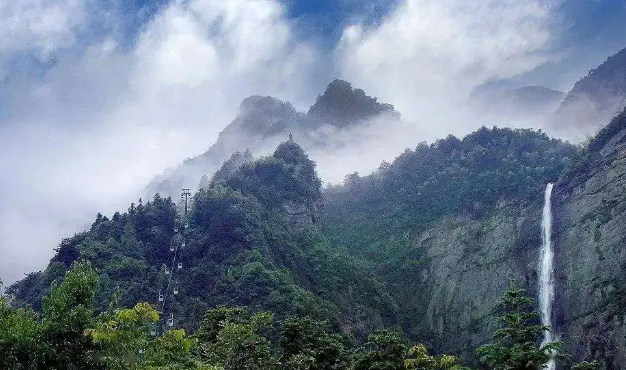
pixel 590 242
pixel 466 265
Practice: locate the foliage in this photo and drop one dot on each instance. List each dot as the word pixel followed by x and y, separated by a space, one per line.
pixel 419 359
pixel 584 160
pixel 233 339
pixel 307 345
pixel 126 342
pixel 384 350
pixel 593 365
pixel 20 347
pixel 514 345
pixel 450 176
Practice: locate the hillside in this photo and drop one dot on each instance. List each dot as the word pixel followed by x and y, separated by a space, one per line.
pixel 447 225
pixel 593 100
pixel 263 122
pixel 402 247
pixel 253 241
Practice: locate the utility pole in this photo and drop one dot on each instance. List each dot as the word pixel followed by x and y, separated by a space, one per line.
pixel 186 194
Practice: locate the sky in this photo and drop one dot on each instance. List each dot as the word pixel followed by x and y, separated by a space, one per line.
pixel 98 96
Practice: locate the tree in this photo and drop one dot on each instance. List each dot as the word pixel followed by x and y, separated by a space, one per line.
pixel 593 365
pixel 514 345
pixel 307 345
pixel 233 339
pixel 384 351
pixel 126 343
pixel 19 331
pixel 419 359
pixel 67 312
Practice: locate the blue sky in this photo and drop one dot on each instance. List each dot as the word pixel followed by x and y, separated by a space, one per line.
pixel 98 96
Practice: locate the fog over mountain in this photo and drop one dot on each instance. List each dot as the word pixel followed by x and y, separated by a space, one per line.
pixel 97 98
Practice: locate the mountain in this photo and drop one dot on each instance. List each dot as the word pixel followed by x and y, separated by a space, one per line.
pixel 593 100
pixel 253 239
pixel 263 122
pixel 424 245
pixel 523 102
pixel 266 236
pixel 449 225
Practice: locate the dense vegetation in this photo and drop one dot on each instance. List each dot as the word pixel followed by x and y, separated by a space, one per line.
pixel 255 240
pixel 592 151
pixel 68 335
pixel 252 240
pixel 450 176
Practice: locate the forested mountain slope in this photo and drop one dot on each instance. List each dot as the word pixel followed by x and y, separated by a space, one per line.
pixel 413 245
pixel 447 225
pixel 253 241
pixel 590 242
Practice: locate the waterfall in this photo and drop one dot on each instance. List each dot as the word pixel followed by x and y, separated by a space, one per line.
pixel 546 270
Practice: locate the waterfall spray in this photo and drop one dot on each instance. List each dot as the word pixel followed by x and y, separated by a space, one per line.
pixel 546 270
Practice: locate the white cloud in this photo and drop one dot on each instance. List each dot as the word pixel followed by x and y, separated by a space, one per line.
pixel 90 133
pixel 428 55
pixel 38 27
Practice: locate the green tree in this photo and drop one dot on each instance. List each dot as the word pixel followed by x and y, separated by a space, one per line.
pixel 67 313
pixel 514 345
pixel 384 350
pixel 307 345
pixel 419 359
pixel 233 339
pixel 19 334
pixel 593 365
pixel 126 342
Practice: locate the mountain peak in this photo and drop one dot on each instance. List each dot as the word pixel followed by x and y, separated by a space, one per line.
pixel 341 105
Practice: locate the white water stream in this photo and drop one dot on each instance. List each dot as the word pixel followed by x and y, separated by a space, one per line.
pixel 546 270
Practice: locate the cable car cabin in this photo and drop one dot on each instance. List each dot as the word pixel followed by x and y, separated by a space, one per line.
pixel 186 225
pixel 175 229
pixel 160 297
pixel 170 322
pixel 167 272
pixel 172 248
pixel 180 265
pixel 176 290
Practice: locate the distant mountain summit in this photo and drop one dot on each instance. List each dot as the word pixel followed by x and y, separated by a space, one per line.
pixel 523 102
pixel 594 99
pixel 342 106
pixel 264 121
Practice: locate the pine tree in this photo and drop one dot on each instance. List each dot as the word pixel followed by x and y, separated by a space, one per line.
pixel 514 345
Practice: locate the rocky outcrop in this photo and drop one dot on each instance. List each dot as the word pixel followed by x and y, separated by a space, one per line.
pixel 590 242
pixel 464 265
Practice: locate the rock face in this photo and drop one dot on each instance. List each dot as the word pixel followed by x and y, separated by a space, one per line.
pixel 467 263
pixel 590 237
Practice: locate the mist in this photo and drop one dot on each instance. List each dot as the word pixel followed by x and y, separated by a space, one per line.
pixel 88 118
